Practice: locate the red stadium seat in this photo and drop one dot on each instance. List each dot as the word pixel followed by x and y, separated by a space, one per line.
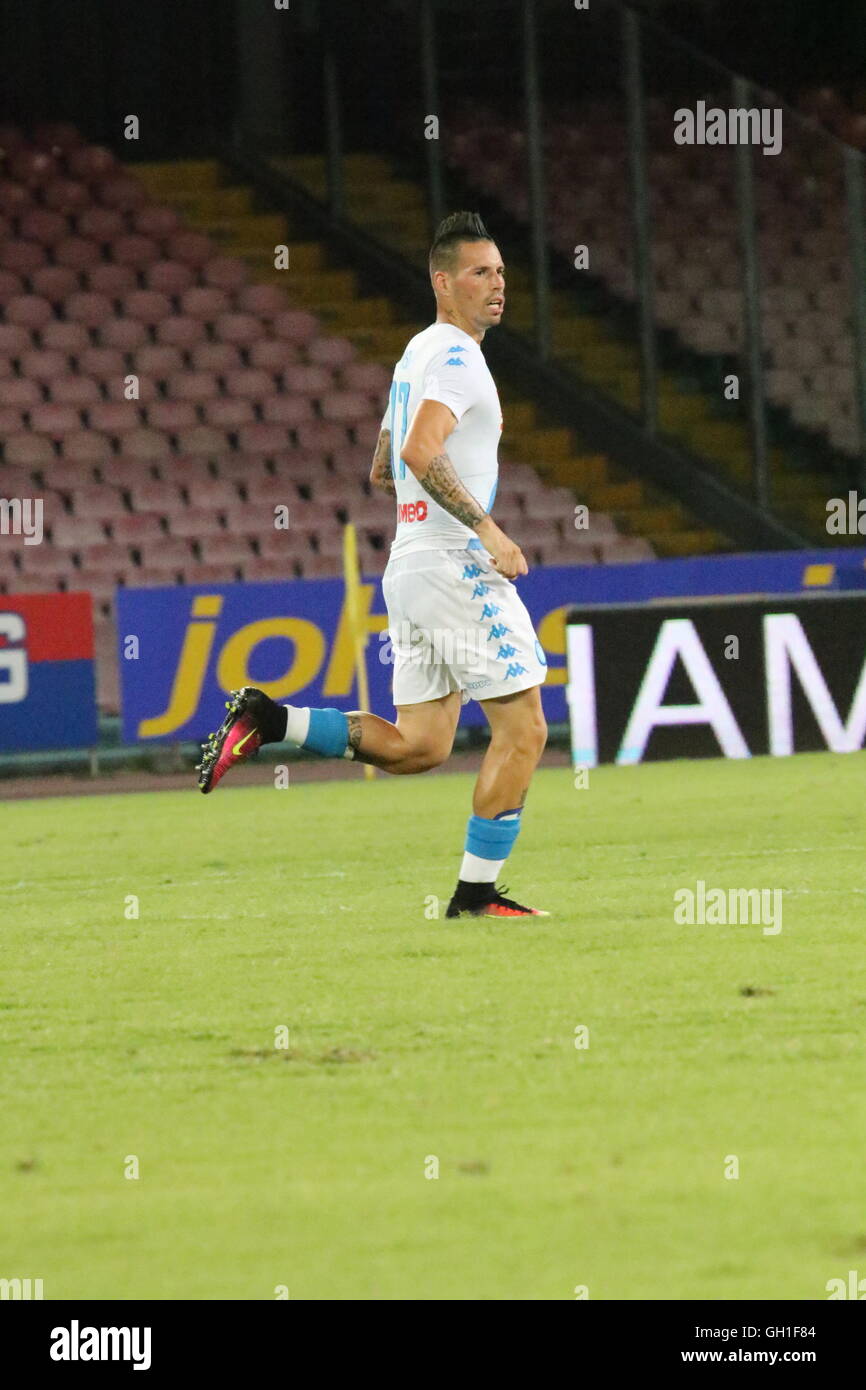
pixel 115 417
pixel 181 331
pixel 225 273
pixel 242 329
pixel 210 574
pixel 195 386
pixel 54 420
pixel 93 310
pixel 158 361
pixel 192 248
pixel 33 168
pixel 28 311
pixel 296 326
pixel 42 365
pixel 74 532
pixel 169 277
pixel 135 251
pixel 218 358
pixel 101 225
pixel 147 306
pixel 124 334
pixel 103 363
pixel 250 383
pixel 287 410
pixel 12 421
pixel 265 300
pixel 14 339
pixel 54 282
pixel 195 522
pixel 204 442
pixel 263 440
pixel 161 223
pixel 214 493
pixel 22 392
pixel 10 283
pixel 146 445
pixel 262 571
pixel 87 446
pixel 78 253
pixel 274 354
pixel 308 381
pixel 123 193
pixel 169 550
pixel 91 163
pixel 133 529
pixel 68 338
pixel 100 501
pixel 113 280
pixel 39 224
pixel 331 352
pixel 172 416
pixel 66 195
pixel 152 577
pixel 228 414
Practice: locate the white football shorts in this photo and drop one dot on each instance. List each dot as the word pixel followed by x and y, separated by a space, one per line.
pixel 456 624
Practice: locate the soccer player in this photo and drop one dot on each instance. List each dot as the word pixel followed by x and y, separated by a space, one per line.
pixel 458 628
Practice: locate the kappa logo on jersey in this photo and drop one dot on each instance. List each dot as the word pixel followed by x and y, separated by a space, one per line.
pixel 455 362
pixel 412 511
pixel 458 348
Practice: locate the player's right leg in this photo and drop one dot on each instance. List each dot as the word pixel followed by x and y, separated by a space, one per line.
pixel 421 738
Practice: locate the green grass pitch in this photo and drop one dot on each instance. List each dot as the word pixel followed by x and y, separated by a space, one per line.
pixel 412 1039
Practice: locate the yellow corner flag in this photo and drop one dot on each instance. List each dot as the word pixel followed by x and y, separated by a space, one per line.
pixel 352 578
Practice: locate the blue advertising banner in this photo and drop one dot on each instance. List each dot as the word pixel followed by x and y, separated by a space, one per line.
pixel 183 648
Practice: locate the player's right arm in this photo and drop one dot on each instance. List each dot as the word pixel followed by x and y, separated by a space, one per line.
pixel 424 453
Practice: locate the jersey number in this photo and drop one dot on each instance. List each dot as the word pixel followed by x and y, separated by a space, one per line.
pixel 399 397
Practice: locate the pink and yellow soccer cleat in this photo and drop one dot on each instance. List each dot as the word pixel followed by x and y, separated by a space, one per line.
pixel 241 734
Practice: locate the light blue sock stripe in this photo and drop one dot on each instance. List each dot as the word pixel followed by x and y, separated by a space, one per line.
pixel 491 839
pixel 328 733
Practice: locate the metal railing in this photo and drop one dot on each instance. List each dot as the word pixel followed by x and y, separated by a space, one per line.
pixel 738 275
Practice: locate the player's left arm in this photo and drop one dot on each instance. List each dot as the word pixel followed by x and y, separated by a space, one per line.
pixel 381 473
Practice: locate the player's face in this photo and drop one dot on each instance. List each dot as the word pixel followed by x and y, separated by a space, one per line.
pixel 478 284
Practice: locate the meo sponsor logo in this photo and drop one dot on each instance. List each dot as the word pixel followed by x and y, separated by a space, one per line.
pixel 412 511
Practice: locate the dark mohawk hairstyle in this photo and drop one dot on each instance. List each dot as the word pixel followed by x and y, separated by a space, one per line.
pixel 459 227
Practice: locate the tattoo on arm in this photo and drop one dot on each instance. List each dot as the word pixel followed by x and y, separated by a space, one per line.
pixel 381 474
pixel 443 485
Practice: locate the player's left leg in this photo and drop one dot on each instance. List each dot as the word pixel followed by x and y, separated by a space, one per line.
pixel 518 735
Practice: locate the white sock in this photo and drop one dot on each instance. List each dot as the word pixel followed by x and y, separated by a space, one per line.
pixel 476 870
pixel 297 723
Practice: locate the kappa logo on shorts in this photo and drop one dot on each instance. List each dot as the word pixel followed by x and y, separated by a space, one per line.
pixel 480 590
pixel 472 571
pixel 490 610
pixel 505 651
pixel 515 669
pixel 498 630
pixel 412 511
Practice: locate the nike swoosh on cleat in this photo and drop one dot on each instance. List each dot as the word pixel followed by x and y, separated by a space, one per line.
pixel 238 746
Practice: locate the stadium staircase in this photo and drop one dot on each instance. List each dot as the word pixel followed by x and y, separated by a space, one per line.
pixel 373 323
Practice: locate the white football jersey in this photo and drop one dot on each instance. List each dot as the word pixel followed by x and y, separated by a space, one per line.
pixel 442 363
